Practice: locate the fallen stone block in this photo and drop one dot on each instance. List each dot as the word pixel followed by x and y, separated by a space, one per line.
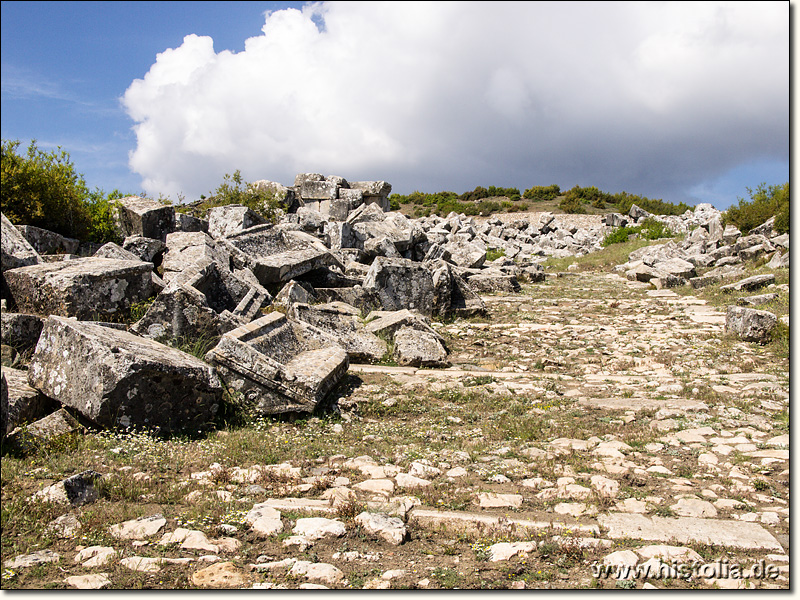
pixel 388 528
pixel 19 330
pixel 189 224
pixel 386 324
pixel 492 281
pixel 400 283
pixel 25 404
pixel 148 218
pixel 278 256
pixel 39 433
pixel 756 300
pixel 76 490
pixel 343 323
pixel 192 249
pixel 115 378
pixel 415 348
pixel 278 365
pixel 749 324
pixel 15 251
pixel 84 288
pixel 224 221
pixel 48 242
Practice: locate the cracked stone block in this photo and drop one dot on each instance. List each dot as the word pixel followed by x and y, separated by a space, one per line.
pixel 85 288
pixel 115 378
pixel 278 256
pixel 342 322
pixel 279 365
pixel 224 221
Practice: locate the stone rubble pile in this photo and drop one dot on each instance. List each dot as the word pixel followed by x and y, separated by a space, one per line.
pixel 338 279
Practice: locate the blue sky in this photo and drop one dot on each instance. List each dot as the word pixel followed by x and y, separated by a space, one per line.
pixel 685 102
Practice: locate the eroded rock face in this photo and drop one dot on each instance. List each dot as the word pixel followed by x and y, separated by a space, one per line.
pixel 279 365
pixel 115 378
pixel 85 288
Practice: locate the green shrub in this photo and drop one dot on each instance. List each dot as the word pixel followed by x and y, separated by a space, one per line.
pixel 234 190
pixel 765 202
pixel 654 230
pixel 650 229
pixel 619 236
pixel 542 193
pixel 572 205
pixel 623 202
pixel 43 189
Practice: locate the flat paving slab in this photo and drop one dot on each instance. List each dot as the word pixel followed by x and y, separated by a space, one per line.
pixel 687 530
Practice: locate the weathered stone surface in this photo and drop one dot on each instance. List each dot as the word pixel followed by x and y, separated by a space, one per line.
pixel 756 300
pixel 145 249
pixel 279 365
pixel 48 242
pixel 115 378
pixel 137 529
pixel 750 284
pixel 189 224
pixel 76 490
pixel 84 288
pixel 416 348
pixel 224 221
pixel 749 324
pixel 45 429
pixel 16 250
pixel 220 575
pixel 493 281
pixel 277 256
pixel 688 530
pixel 387 323
pixel 144 217
pixel 388 528
pixel 294 292
pixel 25 404
pixel 182 312
pixel 400 284
pixel 343 323
pixel 192 249
pixel 20 330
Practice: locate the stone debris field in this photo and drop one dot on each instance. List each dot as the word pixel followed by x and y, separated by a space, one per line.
pixel 388 403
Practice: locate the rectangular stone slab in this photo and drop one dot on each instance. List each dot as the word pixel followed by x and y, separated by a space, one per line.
pixel 84 288
pixel 115 378
pixel 687 530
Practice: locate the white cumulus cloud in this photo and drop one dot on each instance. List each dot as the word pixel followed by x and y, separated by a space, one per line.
pixel 652 98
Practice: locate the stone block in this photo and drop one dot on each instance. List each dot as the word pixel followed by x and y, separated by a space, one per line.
pixel 279 365
pixel 115 378
pixel 48 242
pixel 145 217
pixel 749 324
pixel 84 288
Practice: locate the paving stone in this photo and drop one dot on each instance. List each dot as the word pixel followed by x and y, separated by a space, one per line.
pixel 688 530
